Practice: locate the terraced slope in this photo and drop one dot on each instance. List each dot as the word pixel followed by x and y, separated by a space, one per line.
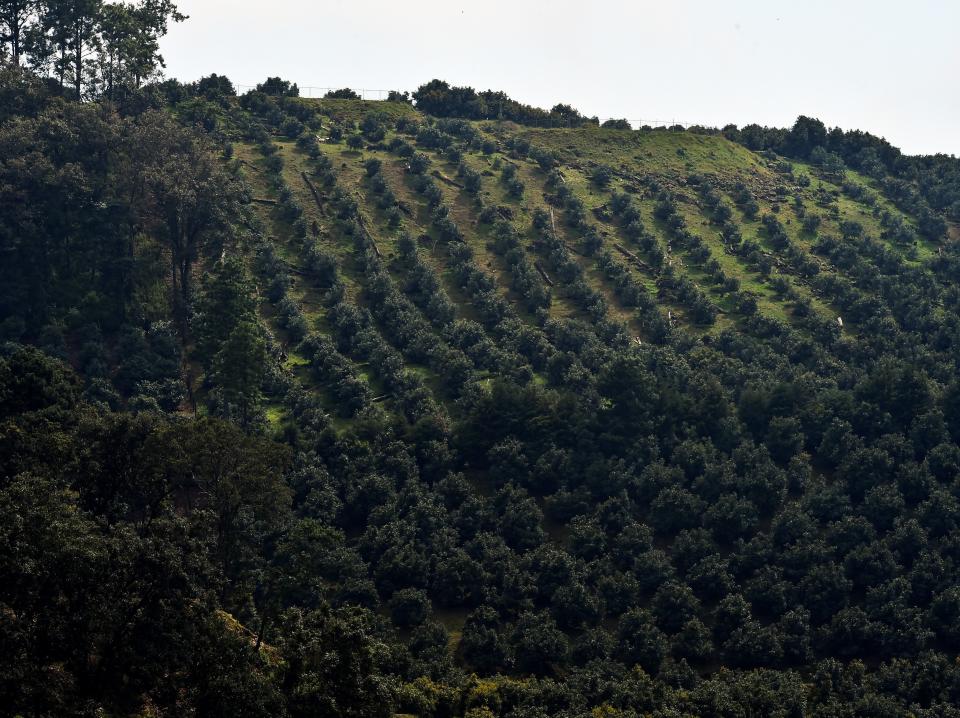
pixel 505 249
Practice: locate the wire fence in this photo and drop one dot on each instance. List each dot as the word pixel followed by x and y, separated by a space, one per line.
pixel 381 95
pixel 314 92
pixel 651 123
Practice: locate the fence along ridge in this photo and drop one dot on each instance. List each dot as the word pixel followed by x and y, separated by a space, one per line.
pixel 314 92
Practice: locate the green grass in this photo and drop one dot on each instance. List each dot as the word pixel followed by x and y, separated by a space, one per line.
pixel 275 414
pixel 643 151
pixel 452 619
pixel 356 110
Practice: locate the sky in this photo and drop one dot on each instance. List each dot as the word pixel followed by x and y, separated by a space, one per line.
pixel 890 68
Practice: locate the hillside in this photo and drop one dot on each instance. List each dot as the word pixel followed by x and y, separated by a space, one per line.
pixel 334 407
pixel 721 238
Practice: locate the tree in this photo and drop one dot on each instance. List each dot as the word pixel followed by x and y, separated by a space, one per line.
pixel 228 300
pixel 483 645
pixel 574 606
pixel 62 600
pixel 99 46
pixel 731 517
pixel 342 94
pixel 16 16
pixel 753 645
pixel 130 35
pixel 639 641
pixel 693 641
pixel 601 176
pixel 710 578
pixel 675 509
pixel 191 196
pixel 119 35
pixel 214 85
pixel 830 162
pixel 372 166
pixel 374 126
pixel 807 134
pixel 944 615
pixel 616 125
pixel 355 141
pixel 825 590
pixel 330 663
pixel 69 225
pixel 439 98
pixel 237 372
pixel 784 438
pixel 541 648
pixel 278 87
pixel 419 163
pixel 31 381
pixel 520 518
pixel 69 30
pixel 214 465
pixel 673 605
pixel 732 614
pixel 409 607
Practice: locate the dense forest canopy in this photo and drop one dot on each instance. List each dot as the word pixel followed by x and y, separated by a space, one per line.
pixel 448 406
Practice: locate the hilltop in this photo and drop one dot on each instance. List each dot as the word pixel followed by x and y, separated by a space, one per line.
pixel 335 407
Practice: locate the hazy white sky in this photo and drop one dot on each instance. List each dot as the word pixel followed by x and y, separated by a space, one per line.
pixel 891 68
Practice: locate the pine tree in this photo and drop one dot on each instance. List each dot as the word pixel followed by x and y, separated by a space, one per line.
pixel 16 17
pixel 238 371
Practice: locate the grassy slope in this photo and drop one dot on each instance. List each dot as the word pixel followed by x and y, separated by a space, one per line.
pixel 668 157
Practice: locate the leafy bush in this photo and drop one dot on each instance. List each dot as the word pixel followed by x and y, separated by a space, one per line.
pixel 278 87
pixel 342 94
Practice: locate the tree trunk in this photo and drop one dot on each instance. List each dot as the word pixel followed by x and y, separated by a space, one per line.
pixel 264 617
pixel 78 69
pixel 80 40
pixel 62 67
pixel 129 253
pixel 185 267
pixel 110 77
pixel 178 309
pixel 15 42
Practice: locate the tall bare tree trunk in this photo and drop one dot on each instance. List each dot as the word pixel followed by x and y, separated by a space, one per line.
pixel 15 43
pixel 78 66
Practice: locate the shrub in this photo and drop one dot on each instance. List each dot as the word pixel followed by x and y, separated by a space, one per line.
pixel 602 175
pixel 373 126
pixel 292 127
pixel 515 188
pixel 344 93
pixel 277 87
pixel 419 163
